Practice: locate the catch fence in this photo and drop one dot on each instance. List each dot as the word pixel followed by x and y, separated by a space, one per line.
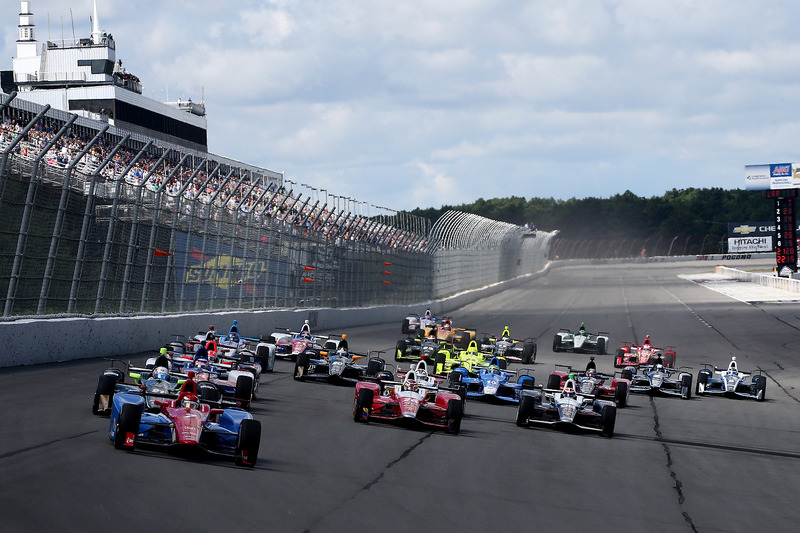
pixel 95 220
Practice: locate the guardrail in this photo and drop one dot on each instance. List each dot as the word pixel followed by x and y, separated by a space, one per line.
pixel 767 280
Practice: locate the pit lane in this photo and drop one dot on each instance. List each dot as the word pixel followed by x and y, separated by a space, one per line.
pixel 707 464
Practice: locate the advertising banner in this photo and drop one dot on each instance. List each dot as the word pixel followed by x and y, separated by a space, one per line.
pixel 749 244
pixel 774 176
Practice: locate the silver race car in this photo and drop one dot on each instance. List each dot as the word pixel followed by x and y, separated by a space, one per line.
pixel 661 380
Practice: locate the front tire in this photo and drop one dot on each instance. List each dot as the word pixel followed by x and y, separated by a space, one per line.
pixel 553 382
pixel 244 391
pixel 761 388
pixel 524 410
pixel 556 344
pixel 609 419
pixel 528 353
pixel 686 386
pixel 455 412
pixel 621 394
pixel 702 381
pixel 127 427
pixel 400 350
pixel 248 442
pixel 363 405
pixel 105 387
pixel 601 346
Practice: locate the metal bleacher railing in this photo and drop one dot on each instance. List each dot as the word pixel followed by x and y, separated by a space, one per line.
pixel 97 220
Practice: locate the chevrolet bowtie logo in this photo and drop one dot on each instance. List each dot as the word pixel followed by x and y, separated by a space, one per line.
pixel 744 230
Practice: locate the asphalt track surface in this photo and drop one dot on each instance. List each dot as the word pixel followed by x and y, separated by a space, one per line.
pixel 705 464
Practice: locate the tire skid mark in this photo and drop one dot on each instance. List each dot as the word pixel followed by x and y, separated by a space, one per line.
pixel 677 482
pixel 45 444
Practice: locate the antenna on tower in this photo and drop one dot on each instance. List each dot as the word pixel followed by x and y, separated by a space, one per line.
pixel 73 25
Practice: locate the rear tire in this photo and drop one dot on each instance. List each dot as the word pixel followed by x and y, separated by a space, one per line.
pixel 702 381
pixel 375 365
pixel 618 358
pixel 556 344
pixel 405 329
pixel 400 350
pixel 502 363
pixel 621 394
pixel 248 442
pixel 609 419
pixel 553 382
pixel 266 357
pixel 627 374
pixel 455 412
pixel 761 387
pixel 686 386
pixel 127 427
pixel 528 353
pixel 105 387
pixel 208 392
pixel 244 391
pixel 440 361
pixel 363 405
pixel 669 359
pixel 301 367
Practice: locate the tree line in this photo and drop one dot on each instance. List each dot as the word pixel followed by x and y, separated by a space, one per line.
pixel 684 212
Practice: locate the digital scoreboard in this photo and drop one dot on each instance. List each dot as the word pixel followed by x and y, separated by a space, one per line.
pixel 785 237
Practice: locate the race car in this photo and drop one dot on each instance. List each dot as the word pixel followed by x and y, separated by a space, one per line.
pixel 633 355
pixel 732 382
pixel 470 359
pixel 492 383
pixel 162 419
pixel 413 323
pixel 335 362
pixel 290 344
pixel 661 380
pixel 414 398
pixel 418 348
pixel 228 387
pixel 503 345
pixel 566 408
pixel 590 382
pixel 581 341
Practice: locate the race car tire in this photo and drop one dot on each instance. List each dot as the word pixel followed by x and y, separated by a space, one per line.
pixel 244 391
pixel 301 367
pixel 619 357
pixel 502 363
pixel 247 443
pixel 528 353
pixel 553 382
pixel 608 417
pixel 461 390
pixel 557 344
pixel 686 386
pixel 208 392
pixel 400 350
pixel 266 357
pixel 524 410
pixel 454 378
pixel 375 365
pixel 363 405
pixel 702 381
pixel 127 425
pixel 627 374
pixel 440 359
pixel 461 340
pixel 601 346
pixel 669 359
pixel 455 412
pixel 105 387
pixel 527 382
pixel 405 329
pixel 621 394
pixel 761 387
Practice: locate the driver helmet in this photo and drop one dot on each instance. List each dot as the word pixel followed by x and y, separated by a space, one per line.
pixel 190 402
pixel 306 334
pixel 160 372
pixel 202 363
pixel 432 336
pixel 591 373
pixel 341 352
pixel 163 350
pixel 658 367
pixel 494 369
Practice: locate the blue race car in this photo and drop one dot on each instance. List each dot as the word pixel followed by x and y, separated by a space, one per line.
pixel 492 382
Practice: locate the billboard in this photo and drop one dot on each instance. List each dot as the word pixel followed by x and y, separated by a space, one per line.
pixel 773 176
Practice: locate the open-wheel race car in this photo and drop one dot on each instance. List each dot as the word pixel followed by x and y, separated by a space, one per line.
pixel 630 354
pixel 503 345
pixel 658 379
pixel 567 409
pixel 164 419
pixel 580 341
pixel 732 382
pixel 470 359
pixel 336 363
pixel 492 383
pixel 417 397
pixel 590 382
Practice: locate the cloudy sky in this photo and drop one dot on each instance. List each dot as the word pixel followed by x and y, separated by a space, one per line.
pixel 410 103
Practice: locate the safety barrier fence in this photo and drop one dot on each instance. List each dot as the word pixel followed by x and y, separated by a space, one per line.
pixel 95 221
pixel 767 280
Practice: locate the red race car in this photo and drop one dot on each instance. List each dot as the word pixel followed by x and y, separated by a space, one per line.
pixel 412 398
pixel 630 354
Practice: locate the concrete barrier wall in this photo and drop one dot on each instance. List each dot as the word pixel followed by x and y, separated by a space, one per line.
pixel 50 340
